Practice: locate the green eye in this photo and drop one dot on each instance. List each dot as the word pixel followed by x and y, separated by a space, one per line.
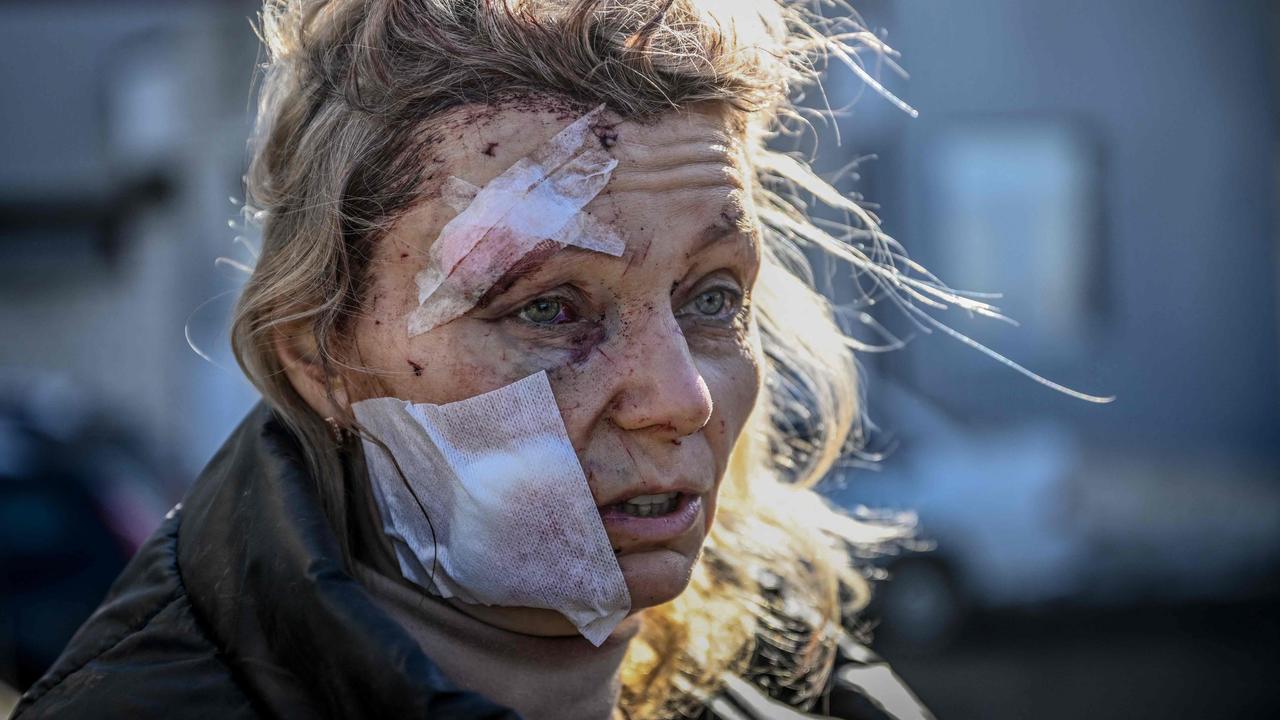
pixel 543 311
pixel 711 302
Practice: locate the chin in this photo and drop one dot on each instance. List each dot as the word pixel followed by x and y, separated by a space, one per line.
pixel 656 576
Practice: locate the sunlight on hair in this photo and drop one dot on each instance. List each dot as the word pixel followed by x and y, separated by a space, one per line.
pixel 346 106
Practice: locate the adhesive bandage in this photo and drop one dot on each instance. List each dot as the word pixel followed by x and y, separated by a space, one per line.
pixel 541 197
pixel 485 501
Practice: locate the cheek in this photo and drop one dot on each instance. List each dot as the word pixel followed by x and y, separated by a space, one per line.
pixel 734 383
pixel 453 362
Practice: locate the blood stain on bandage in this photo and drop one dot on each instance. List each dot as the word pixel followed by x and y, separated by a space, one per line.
pixel 551 530
pixel 527 264
pixel 470 264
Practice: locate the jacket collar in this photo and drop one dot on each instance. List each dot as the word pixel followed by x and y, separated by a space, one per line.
pixel 266 577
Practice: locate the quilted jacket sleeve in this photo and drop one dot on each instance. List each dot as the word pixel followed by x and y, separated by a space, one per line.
pixel 141 655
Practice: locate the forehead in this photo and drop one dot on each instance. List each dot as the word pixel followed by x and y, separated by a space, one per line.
pixel 697 148
pixel 677 187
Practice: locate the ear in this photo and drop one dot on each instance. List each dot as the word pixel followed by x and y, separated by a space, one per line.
pixel 300 357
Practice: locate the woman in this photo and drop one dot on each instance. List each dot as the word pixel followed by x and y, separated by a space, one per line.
pixel 545 386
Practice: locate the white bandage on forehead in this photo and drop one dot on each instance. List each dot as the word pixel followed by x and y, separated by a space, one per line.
pixel 493 507
pixel 539 198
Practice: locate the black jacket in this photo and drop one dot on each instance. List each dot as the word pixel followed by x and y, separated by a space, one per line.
pixel 239 607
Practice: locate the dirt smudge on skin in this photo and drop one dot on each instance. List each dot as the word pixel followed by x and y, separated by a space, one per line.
pixel 488 149
pixel 417 369
pixel 531 261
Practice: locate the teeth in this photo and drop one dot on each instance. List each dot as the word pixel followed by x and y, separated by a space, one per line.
pixel 649 505
pixel 651 499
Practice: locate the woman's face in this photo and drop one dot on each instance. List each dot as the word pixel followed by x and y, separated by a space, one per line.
pixel 652 355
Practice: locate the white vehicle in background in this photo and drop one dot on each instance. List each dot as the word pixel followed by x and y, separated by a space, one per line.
pixel 992 503
pixel 1021 517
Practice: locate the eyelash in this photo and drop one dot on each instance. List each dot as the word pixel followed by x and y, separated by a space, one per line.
pixel 566 308
pixel 733 306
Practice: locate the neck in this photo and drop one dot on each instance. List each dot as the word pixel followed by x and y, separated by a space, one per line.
pixel 539 676
pixel 527 621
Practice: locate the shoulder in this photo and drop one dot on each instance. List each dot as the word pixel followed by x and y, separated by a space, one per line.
pixel 142 654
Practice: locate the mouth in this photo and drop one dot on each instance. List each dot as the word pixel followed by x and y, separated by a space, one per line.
pixel 647 505
pixel 652 518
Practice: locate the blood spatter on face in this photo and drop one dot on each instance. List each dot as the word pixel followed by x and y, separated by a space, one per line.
pixel 630 457
pixel 404 255
pixel 524 266
pixel 489 148
pixel 640 253
pixel 584 342
pixel 607 134
pixel 603 354
pixel 417 369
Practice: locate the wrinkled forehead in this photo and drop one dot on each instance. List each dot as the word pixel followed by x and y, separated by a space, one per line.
pixel 702 146
pixel 527 175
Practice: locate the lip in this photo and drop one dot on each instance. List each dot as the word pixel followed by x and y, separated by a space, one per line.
pixel 677 485
pixel 653 529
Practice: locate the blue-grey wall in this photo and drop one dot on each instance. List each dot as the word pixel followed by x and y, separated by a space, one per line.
pixel 1178 98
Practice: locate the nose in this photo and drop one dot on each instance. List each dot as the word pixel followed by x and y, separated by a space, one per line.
pixel 660 387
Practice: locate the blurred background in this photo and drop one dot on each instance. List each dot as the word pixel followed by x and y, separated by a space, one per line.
pixel 1110 166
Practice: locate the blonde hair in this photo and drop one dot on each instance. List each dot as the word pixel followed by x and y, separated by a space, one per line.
pixel 350 91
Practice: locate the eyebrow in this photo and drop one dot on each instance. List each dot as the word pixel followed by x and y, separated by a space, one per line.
pixel 732 224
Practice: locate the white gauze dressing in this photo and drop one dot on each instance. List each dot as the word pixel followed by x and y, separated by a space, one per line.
pixel 493 507
pixel 539 198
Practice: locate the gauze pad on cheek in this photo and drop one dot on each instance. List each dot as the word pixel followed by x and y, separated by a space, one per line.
pixel 539 198
pixel 493 507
